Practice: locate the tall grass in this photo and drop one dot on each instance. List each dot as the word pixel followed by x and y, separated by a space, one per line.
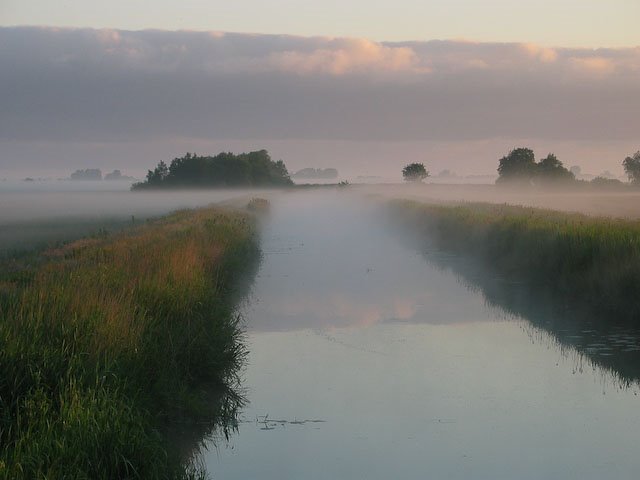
pixel 595 261
pixel 112 340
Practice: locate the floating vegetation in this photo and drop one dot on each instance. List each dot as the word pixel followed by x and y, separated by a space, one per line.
pixel 266 423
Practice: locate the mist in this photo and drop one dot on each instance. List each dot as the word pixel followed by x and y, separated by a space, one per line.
pixel 437 303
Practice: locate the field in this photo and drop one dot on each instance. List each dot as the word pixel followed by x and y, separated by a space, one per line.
pixel 591 261
pixel 111 341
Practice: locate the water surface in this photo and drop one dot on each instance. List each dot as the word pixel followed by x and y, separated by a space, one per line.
pixel 369 360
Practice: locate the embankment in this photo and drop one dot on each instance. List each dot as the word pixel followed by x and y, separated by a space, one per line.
pixel 593 262
pixel 113 340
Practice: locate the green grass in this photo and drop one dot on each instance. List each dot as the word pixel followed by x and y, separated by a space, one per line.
pixel 114 340
pixel 591 260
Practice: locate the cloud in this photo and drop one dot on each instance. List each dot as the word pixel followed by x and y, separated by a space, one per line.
pixel 594 65
pixel 110 85
pixel 542 54
pixel 108 37
pixel 343 56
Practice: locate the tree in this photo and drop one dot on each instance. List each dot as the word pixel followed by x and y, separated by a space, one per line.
pixel 222 170
pixel 157 176
pixel 610 183
pixel 414 172
pixel 88 174
pixel 518 165
pixel 552 169
pixel 632 167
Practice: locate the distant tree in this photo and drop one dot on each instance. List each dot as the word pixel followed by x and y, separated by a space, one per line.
pixel 316 173
pixel 604 182
pixel 88 174
pixel 117 175
pixel 576 170
pixel 519 165
pixel 550 169
pixel 632 167
pixel 222 170
pixel 414 172
pixel 446 173
pixel 156 176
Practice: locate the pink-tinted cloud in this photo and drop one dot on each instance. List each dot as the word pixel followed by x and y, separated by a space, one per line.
pixel 595 65
pixel 343 56
pixel 107 85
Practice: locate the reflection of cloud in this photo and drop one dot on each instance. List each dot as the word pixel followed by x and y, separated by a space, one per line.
pixel 404 309
pixel 337 310
pixel 333 310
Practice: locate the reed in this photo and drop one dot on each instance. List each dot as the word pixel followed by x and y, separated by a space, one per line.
pixel 113 338
pixel 593 260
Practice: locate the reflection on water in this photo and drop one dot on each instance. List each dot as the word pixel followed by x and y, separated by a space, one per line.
pixel 216 423
pixel 329 263
pixel 602 341
pixel 365 361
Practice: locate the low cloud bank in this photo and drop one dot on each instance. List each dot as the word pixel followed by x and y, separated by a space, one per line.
pixel 83 85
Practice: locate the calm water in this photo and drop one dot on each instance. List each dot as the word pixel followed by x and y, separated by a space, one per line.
pixel 369 360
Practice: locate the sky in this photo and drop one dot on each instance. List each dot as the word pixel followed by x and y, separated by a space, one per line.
pixel 364 88
pixel 575 23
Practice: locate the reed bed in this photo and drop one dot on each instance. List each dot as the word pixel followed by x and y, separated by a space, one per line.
pixel 112 338
pixel 592 260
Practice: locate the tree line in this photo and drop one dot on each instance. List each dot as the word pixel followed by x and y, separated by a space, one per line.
pixel 253 169
pixel 520 166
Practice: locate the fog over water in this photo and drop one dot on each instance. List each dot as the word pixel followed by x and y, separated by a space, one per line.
pixel 27 201
pixel 37 213
pixel 368 359
pixel 349 336
pixel 372 356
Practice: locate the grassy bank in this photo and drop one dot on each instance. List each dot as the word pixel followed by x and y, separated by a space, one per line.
pixel 587 260
pixel 114 339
